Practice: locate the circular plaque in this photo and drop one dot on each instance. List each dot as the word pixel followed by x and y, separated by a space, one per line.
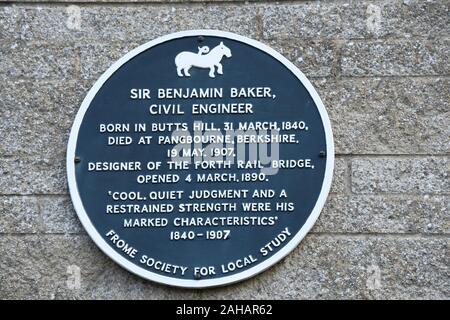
pixel 200 159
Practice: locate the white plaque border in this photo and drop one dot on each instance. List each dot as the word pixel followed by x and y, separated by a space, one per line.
pixel 201 283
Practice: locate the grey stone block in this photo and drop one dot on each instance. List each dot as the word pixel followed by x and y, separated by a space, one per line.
pixel 58 215
pixel 313 20
pixel 50 23
pixel 97 58
pixel 396 58
pixel 313 58
pixel 388 116
pixel 340 176
pixel 324 267
pixel 40 115
pixel 328 267
pixel 397 175
pixel 70 267
pixel 384 214
pixel 415 19
pixel 39 60
pixel 19 215
pixel 9 17
pixel 356 20
pixel 113 23
pixel 28 176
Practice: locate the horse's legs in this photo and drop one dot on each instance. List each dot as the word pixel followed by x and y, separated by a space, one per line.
pixel 186 71
pixel 211 72
pixel 219 68
pixel 179 71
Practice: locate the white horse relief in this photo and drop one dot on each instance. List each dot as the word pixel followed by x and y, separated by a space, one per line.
pixel 186 60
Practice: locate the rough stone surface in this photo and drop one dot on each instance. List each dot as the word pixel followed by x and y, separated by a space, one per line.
pixel 385 214
pixel 106 54
pixel 19 215
pixel 46 267
pixel 340 176
pixel 321 267
pixel 394 176
pixel 357 19
pixel 28 176
pixel 313 58
pixel 388 116
pixel 39 122
pixel 9 17
pixel 352 268
pixel 396 58
pixel 58 215
pixel 40 60
pixel 382 70
pixel 113 23
pixel 313 20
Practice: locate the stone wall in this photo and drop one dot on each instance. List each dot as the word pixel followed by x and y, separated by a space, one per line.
pixel 382 69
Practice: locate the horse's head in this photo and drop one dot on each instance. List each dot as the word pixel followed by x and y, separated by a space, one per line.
pixel 225 50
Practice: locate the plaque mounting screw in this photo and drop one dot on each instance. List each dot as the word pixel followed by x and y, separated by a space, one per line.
pixel 197 276
pixel 200 38
pixel 77 160
pixel 322 154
